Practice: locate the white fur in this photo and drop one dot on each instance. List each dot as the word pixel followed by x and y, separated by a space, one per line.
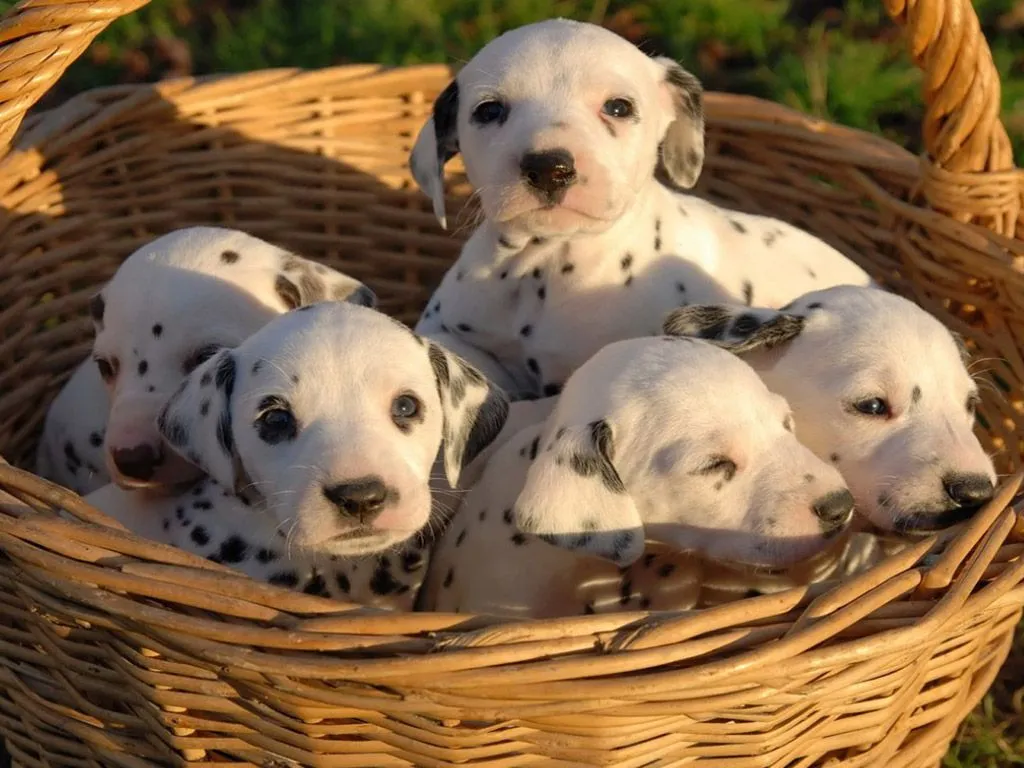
pixel 70 450
pixel 628 457
pixel 836 347
pixel 194 289
pixel 539 288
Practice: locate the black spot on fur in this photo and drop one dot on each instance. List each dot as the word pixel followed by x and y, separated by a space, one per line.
pixel 383 583
pixel 200 536
pixel 95 439
pixel 738 226
pixel 284 579
pixel 599 460
pixel 518 539
pixel 439 363
pixel 204 505
pixel 812 273
pixel 550 390
pixel 225 437
pixel 503 275
pixel 158 330
pixel 483 515
pixel 233 550
pixel 229 257
pixel 412 560
pixel 526 330
pixel 834 458
pixel 534 367
pixel 533 447
pixel 288 292
pixel 97 306
pixel 224 376
pixel 204 407
pixel 143 367
pixel 265 555
pixel 567 268
pixel 915 394
pixel 316 586
pixel 542 293
pixel 507 516
pixel 504 242
pixel 460 538
pixel 343 583
pixel 814 305
pixel 465 328
pixel 748 293
pixel 175 433
pixel 449 577
pixel 72 455
pixel 629 281
pixel 627 261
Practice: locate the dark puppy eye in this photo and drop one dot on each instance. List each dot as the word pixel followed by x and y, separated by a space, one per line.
pixel 719 464
pixel 491 111
pixel 275 422
pixel 973 401
pixel 199 356
pixel 405 409
pixel 107 368
pixel 619 108
pixel 873 406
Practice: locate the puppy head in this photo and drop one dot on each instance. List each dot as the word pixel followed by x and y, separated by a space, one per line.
pixel 678 442
pixel 879 388
pixel 560 123
pixel 331 417
pixel 171 305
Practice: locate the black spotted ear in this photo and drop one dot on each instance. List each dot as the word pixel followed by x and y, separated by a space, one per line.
pixel 736 328
pixel 474 410
pixel 196 421
pixel 682 147
pixel 574 498
pixel 301 282
pixel 437 143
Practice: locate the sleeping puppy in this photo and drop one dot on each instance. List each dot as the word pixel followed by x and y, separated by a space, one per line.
pixel 567 131
pixel 657 457
pixel 879 388
pixel 323 488
pixel 170 306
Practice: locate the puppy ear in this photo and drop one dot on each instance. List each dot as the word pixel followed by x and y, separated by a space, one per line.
pixel 437 143
pixel 738 329
pixel 682 147
pixel 97 306
pixel 474 410
pixel 301 282
pixel 574 498
pixel 196 421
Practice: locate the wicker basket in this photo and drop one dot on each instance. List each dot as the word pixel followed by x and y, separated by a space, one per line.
pixel 119 652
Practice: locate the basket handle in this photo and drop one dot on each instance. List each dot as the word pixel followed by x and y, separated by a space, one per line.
pixel 39 39
pixel 969 171
pixel 968 174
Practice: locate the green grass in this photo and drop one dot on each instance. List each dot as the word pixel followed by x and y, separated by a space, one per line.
pixel 843 61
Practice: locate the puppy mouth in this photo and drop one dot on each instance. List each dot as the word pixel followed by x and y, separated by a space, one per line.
pixel 926 520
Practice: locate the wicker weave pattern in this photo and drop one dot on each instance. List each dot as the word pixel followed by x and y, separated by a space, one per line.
pixel 115 651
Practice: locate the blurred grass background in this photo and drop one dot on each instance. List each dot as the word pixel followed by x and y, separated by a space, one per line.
pixel 837 59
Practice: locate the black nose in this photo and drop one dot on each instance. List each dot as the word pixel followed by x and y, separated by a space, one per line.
pixel 968 490
pixel 138 463
pixel 550 172
pixel 363 499
pixel 834 510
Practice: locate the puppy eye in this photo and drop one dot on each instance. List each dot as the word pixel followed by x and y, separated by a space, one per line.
pixel 619 108
pixel 973 401
pixel 719 464
pixel 405 409
pixel 491 111
pixel 275 422
pixel 107 368
pixel 199 356
pixel 873 406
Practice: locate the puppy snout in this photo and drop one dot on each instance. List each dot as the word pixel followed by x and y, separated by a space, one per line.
pixel 550 172
pixel 361 499
pixel 137 463
pixel 834 510
pixel 968 490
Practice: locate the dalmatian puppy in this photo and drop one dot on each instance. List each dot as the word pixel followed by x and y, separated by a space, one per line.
pixel 879 388
pixel 579 147
pixel 657 456
pixel 70 450
pixel 323 488
pixel 170 306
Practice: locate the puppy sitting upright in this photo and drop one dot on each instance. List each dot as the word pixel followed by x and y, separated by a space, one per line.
pixel 563 127
pixel 318 437
pixel 678 446
pixel 879 388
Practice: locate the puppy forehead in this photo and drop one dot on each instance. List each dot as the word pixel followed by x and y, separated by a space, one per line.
pixel 339 346
pixel 551 55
